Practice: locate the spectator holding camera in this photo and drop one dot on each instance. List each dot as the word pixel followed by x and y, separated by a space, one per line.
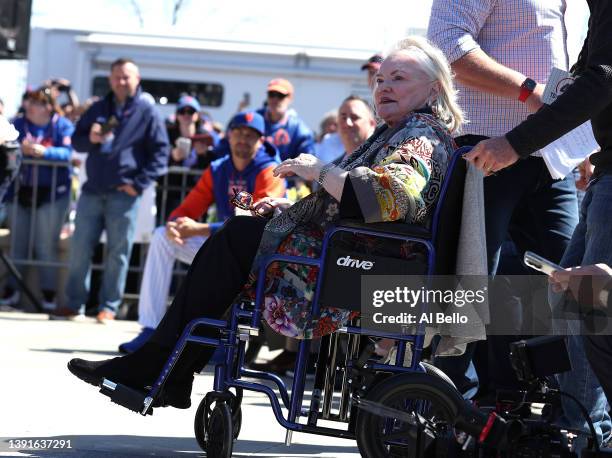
pixel 188 136
pixel 65 96
pixel 44 135
pixel 128 150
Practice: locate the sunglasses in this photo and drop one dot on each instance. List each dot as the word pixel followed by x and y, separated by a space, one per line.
pixel 276 95
pixel 186 111
pixel 244 201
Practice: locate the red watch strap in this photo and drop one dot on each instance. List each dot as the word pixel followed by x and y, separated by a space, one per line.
pixel 527 89
pixel 525 93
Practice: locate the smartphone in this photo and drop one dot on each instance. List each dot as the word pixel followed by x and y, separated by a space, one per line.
pixel 184 146
pixel 109 125
pixel 540 264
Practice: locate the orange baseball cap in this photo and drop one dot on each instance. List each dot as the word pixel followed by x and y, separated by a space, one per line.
pixel 280 85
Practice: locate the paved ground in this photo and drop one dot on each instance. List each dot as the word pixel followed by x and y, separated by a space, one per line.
pixel 40 399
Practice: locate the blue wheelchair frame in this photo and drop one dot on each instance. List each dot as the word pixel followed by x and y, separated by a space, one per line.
pixel 227 374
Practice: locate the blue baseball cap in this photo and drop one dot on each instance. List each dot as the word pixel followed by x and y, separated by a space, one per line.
pixel 250 119
pixel 188 101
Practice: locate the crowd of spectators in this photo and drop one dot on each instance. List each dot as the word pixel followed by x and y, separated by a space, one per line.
pixel 189 139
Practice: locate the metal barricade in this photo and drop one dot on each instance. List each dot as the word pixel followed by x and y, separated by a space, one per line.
pixel 33 211
pixel 172 189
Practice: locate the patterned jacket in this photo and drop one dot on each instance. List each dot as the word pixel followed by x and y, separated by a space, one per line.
pixel 396 175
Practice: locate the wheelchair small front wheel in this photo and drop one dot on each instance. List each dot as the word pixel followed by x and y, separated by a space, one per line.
pixel 235 403
pixel 236 422
pixel 219 432
pixel 200 423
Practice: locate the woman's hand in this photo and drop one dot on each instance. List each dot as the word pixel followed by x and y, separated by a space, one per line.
pixel 27 148
pixel 32 149
pixel 268 205
pixel 38 150
pixel 305 166
pixel 571 278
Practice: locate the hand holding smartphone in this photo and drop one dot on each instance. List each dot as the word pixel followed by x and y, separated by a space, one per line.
pixel 183 144
pixel 540 264
pixel 109 125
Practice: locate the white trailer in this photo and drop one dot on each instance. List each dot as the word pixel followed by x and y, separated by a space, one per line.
pixel 220 72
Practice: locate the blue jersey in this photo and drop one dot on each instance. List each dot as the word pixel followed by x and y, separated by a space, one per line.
pixel 290 135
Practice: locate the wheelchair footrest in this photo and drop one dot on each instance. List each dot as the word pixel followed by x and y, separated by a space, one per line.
pixel 134 400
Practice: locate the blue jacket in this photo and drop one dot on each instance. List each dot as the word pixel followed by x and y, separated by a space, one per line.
pixel 290 135
pixel 56 137
pixel 140 149
pixel 220 179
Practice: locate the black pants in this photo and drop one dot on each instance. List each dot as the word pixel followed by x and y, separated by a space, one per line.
pixel 216 276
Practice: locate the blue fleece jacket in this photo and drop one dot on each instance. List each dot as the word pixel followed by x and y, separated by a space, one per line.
pixel 290 135
pixel 139 151
pixel 56 137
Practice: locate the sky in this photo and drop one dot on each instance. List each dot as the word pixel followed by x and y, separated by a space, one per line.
pixel 354 24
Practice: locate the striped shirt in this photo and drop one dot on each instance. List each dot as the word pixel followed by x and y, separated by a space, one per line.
pixel 528 36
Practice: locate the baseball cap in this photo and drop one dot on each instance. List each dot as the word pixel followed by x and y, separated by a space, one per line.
pixel 375 59
pixel 188 101
pixel 280 85
pixel 250 119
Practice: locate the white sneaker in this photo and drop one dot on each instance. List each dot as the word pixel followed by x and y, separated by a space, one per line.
pixel 11 300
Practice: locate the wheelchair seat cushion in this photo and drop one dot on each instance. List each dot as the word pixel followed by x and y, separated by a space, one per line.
pixel 290 288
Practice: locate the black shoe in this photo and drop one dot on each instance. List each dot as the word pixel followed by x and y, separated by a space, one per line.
pixel 135 370
pixel 91 372
pixel 175 394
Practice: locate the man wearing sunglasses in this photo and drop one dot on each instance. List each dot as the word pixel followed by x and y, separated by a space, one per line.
pixel 284 128
pixel 248 168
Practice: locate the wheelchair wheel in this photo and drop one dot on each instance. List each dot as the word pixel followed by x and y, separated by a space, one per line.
pixel 220 436
pixel 235 404
pixel 406 416
pixel 202 417
pixel 433 370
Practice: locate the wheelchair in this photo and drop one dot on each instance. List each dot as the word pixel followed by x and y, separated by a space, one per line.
pixel 347 371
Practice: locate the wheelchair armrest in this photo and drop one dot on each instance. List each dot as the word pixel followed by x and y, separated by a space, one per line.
pixel 395 228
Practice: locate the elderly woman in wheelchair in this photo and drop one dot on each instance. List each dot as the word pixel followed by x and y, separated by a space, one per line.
pixel 396 176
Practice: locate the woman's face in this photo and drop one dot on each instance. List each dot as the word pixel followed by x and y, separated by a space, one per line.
pixel 187 115
pixel 400 87
pixel 37 111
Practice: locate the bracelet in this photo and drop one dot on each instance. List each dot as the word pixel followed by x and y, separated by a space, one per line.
pixel 323 172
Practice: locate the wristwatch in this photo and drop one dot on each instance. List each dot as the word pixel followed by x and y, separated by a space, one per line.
pixel 323 172
pixel 527 89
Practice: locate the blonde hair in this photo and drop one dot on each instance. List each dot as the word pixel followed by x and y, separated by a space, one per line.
pixel 435 66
